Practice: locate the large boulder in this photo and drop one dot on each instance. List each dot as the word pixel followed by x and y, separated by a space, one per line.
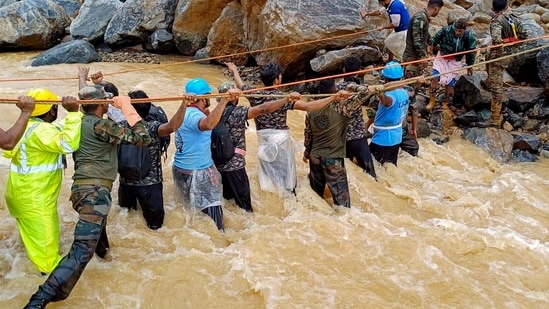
pixel 521 67
pixel 523 98
pixel 70 6
pixel 193 21
pixel 161 42
pixel 7 2
pixel 283 22
pixel 136 20
pixel 77 51
pixel 332 62
pixel 32 24
pixel 497 142
pixel 227 35
pixel 542 60
pixel 93 19
pixel 468 91
pixel 526 141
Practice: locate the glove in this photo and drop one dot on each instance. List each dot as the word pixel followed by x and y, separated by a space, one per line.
pixel 124 104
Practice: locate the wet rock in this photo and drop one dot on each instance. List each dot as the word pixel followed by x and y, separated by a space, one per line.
pixel 135 20
pixel 333 61
pixel 542 59
pixel 522 67
pixel 423 129
pixel 544 154
pixel 128 55
pixel 496 141
pixel 7 2
pixel 459 13
pixel 193 21
pixel 227 35
pixel 32 24
pixel 531 125
pixel 523 98
pixel 515 120
pixel 469 93
pixel 70 6
pixel 202 54
pixel 524 156
pixel 466 119
pixel 161 42
pixel 93 19
pixel 526 142
pixel 482 18
pixel 539 111
pixel 77 51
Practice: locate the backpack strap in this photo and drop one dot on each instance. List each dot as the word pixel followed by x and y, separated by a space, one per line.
pixel 226 113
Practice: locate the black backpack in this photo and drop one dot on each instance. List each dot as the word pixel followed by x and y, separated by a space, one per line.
pixel 156 113
pixel 134 162
pixel 222 145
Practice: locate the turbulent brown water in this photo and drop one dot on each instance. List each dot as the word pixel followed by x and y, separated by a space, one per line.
pixel 451 228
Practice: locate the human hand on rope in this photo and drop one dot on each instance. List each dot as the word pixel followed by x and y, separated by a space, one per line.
pixel 231 66
pixel 294 96
pixel 233 94
pixel 70 104
pixel 97 77
pixel 342 95
pixel 25 104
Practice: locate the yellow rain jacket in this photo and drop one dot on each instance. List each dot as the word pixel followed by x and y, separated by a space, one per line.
pixel 34 183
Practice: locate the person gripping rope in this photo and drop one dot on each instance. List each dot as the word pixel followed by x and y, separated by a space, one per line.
pixel 9 138
pixel 95 169
pixel 36 172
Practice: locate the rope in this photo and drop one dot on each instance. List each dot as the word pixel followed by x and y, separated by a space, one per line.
pixel 286 46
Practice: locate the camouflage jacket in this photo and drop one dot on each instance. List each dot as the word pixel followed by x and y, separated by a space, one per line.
pixel 236 123
pixel 501 30
pixel 417 37
pixel 346 108
pixel 449 43
pixel 274 120
pixel 356 127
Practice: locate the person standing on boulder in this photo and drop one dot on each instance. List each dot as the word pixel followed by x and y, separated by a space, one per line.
pixel 9 138
pixel 504 28
pixel 399 18
pixel 418 39
pixel 452 39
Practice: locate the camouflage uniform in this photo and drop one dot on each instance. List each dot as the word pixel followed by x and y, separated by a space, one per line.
pixel 501 32
pixel 417 40
pixel 95 170
pixel 325 145
pixel 357 144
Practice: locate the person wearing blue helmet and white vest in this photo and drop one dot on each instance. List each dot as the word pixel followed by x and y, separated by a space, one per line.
pixel 390 116
pixel 197 182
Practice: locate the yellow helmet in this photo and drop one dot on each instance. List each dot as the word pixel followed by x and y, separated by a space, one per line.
pixel 42 94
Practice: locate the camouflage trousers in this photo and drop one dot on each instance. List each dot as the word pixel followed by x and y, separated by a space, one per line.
pixel 93 203
pixel 413 70
pixel 330 171
pixel 494 84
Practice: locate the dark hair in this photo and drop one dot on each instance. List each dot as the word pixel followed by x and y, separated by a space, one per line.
pixel 499 5
pixel 326 86
pixel 141 108
pixel 352 64
pixel 461 24
pixel 269 73
pixel 435 3
pixel 109 87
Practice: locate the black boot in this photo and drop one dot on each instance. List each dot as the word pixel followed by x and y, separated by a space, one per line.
pixel 37 301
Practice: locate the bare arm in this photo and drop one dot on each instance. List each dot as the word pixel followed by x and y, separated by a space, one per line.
pixel 209 122
pixel 314 105
pixel 236 76
pixel 174 123
pixel 9 138
pixel 271 106
pixel 82 77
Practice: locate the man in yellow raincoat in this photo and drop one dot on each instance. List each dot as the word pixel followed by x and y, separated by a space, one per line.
pixel 35 176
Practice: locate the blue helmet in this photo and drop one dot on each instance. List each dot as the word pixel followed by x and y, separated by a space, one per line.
pixel 392 70
pixel 198 86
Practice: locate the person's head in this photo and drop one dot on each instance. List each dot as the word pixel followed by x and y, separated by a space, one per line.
pixel 142 108
pixel 271 74
pixel 327 86
pixel 460 26
pixel 499 5
pixel 224 87
pixel 433 7
pixel 392 71
pixel 96 92
pixel 47 112
pixel 199 86
pixel 385 3
pixel 109 87
pixel 352 64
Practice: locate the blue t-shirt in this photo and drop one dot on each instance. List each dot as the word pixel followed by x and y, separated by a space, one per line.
pixel 388 120
pixel 397 8
pixel 192 146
